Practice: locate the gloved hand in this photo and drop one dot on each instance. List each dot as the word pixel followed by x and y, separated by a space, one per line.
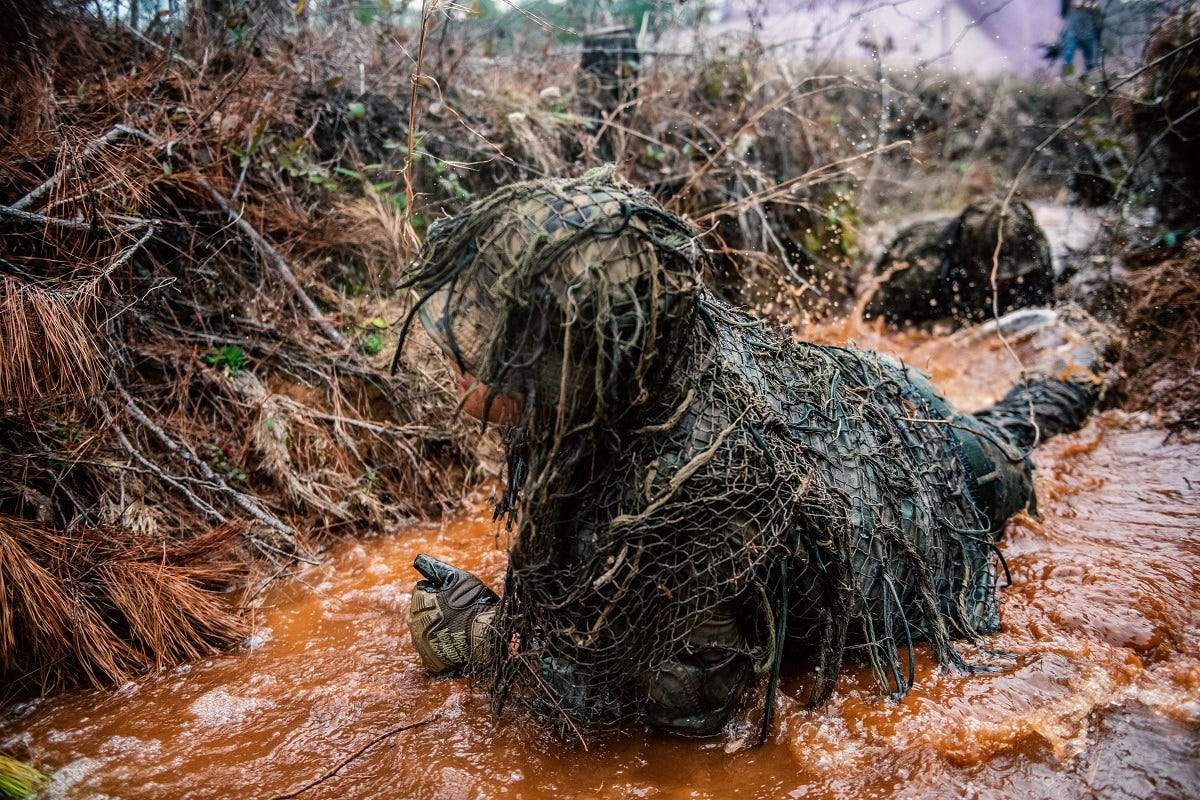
pixel 450 616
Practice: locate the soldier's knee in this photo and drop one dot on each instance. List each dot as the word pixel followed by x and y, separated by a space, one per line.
pixel 696 694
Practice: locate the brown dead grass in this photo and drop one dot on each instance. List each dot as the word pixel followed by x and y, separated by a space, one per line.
pixel 50 355
pixel 144 468
pixel 1163 109
pixel 104 606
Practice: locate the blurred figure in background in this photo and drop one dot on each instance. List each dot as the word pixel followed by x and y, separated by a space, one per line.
pixel 1081 31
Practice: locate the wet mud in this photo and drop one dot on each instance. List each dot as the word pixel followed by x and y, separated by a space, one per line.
pixel 1094 692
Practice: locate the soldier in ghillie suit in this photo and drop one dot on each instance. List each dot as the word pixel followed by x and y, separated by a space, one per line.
pixel 697 498
pixel 941 269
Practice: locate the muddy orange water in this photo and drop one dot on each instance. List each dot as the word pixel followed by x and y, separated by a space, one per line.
pixel 1096 693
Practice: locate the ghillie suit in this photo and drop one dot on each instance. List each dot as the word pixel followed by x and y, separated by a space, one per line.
pixel 1163 114
pixel 942 268
pixel 694 493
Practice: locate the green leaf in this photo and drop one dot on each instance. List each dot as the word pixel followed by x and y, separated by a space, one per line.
pixel 357 110
pixel 256 136
pixel 349 173
pixel 242 155
pixel 366 11
pixel 372 343
pixel 230 358
pixel 18 779
pixel 658 153
pixel 453 188
pixel 167 168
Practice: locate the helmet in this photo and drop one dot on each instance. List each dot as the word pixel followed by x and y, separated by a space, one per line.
pixel 559 289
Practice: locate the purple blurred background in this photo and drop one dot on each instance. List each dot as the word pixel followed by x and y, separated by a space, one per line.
pixel 981 36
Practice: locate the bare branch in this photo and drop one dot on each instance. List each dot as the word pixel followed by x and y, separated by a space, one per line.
pixel 390 732
pixel 281 266
pixel 243 501
pixel 114 133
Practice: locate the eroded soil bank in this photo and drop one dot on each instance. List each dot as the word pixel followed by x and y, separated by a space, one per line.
pixel 1096 691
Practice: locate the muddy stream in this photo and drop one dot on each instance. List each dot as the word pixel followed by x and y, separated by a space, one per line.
pixel 1097 691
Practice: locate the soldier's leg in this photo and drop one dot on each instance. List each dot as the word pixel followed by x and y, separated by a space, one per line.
pixel 696 692
pixel 1069 44
pixel 1065 355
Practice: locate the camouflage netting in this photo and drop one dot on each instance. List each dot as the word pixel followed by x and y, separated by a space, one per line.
pixel 942 268
pixel 693 492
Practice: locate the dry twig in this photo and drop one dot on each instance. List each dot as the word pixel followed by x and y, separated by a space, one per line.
pixel 243 501
pixel 390 732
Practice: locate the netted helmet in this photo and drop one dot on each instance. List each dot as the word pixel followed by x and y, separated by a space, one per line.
pixel 561 292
